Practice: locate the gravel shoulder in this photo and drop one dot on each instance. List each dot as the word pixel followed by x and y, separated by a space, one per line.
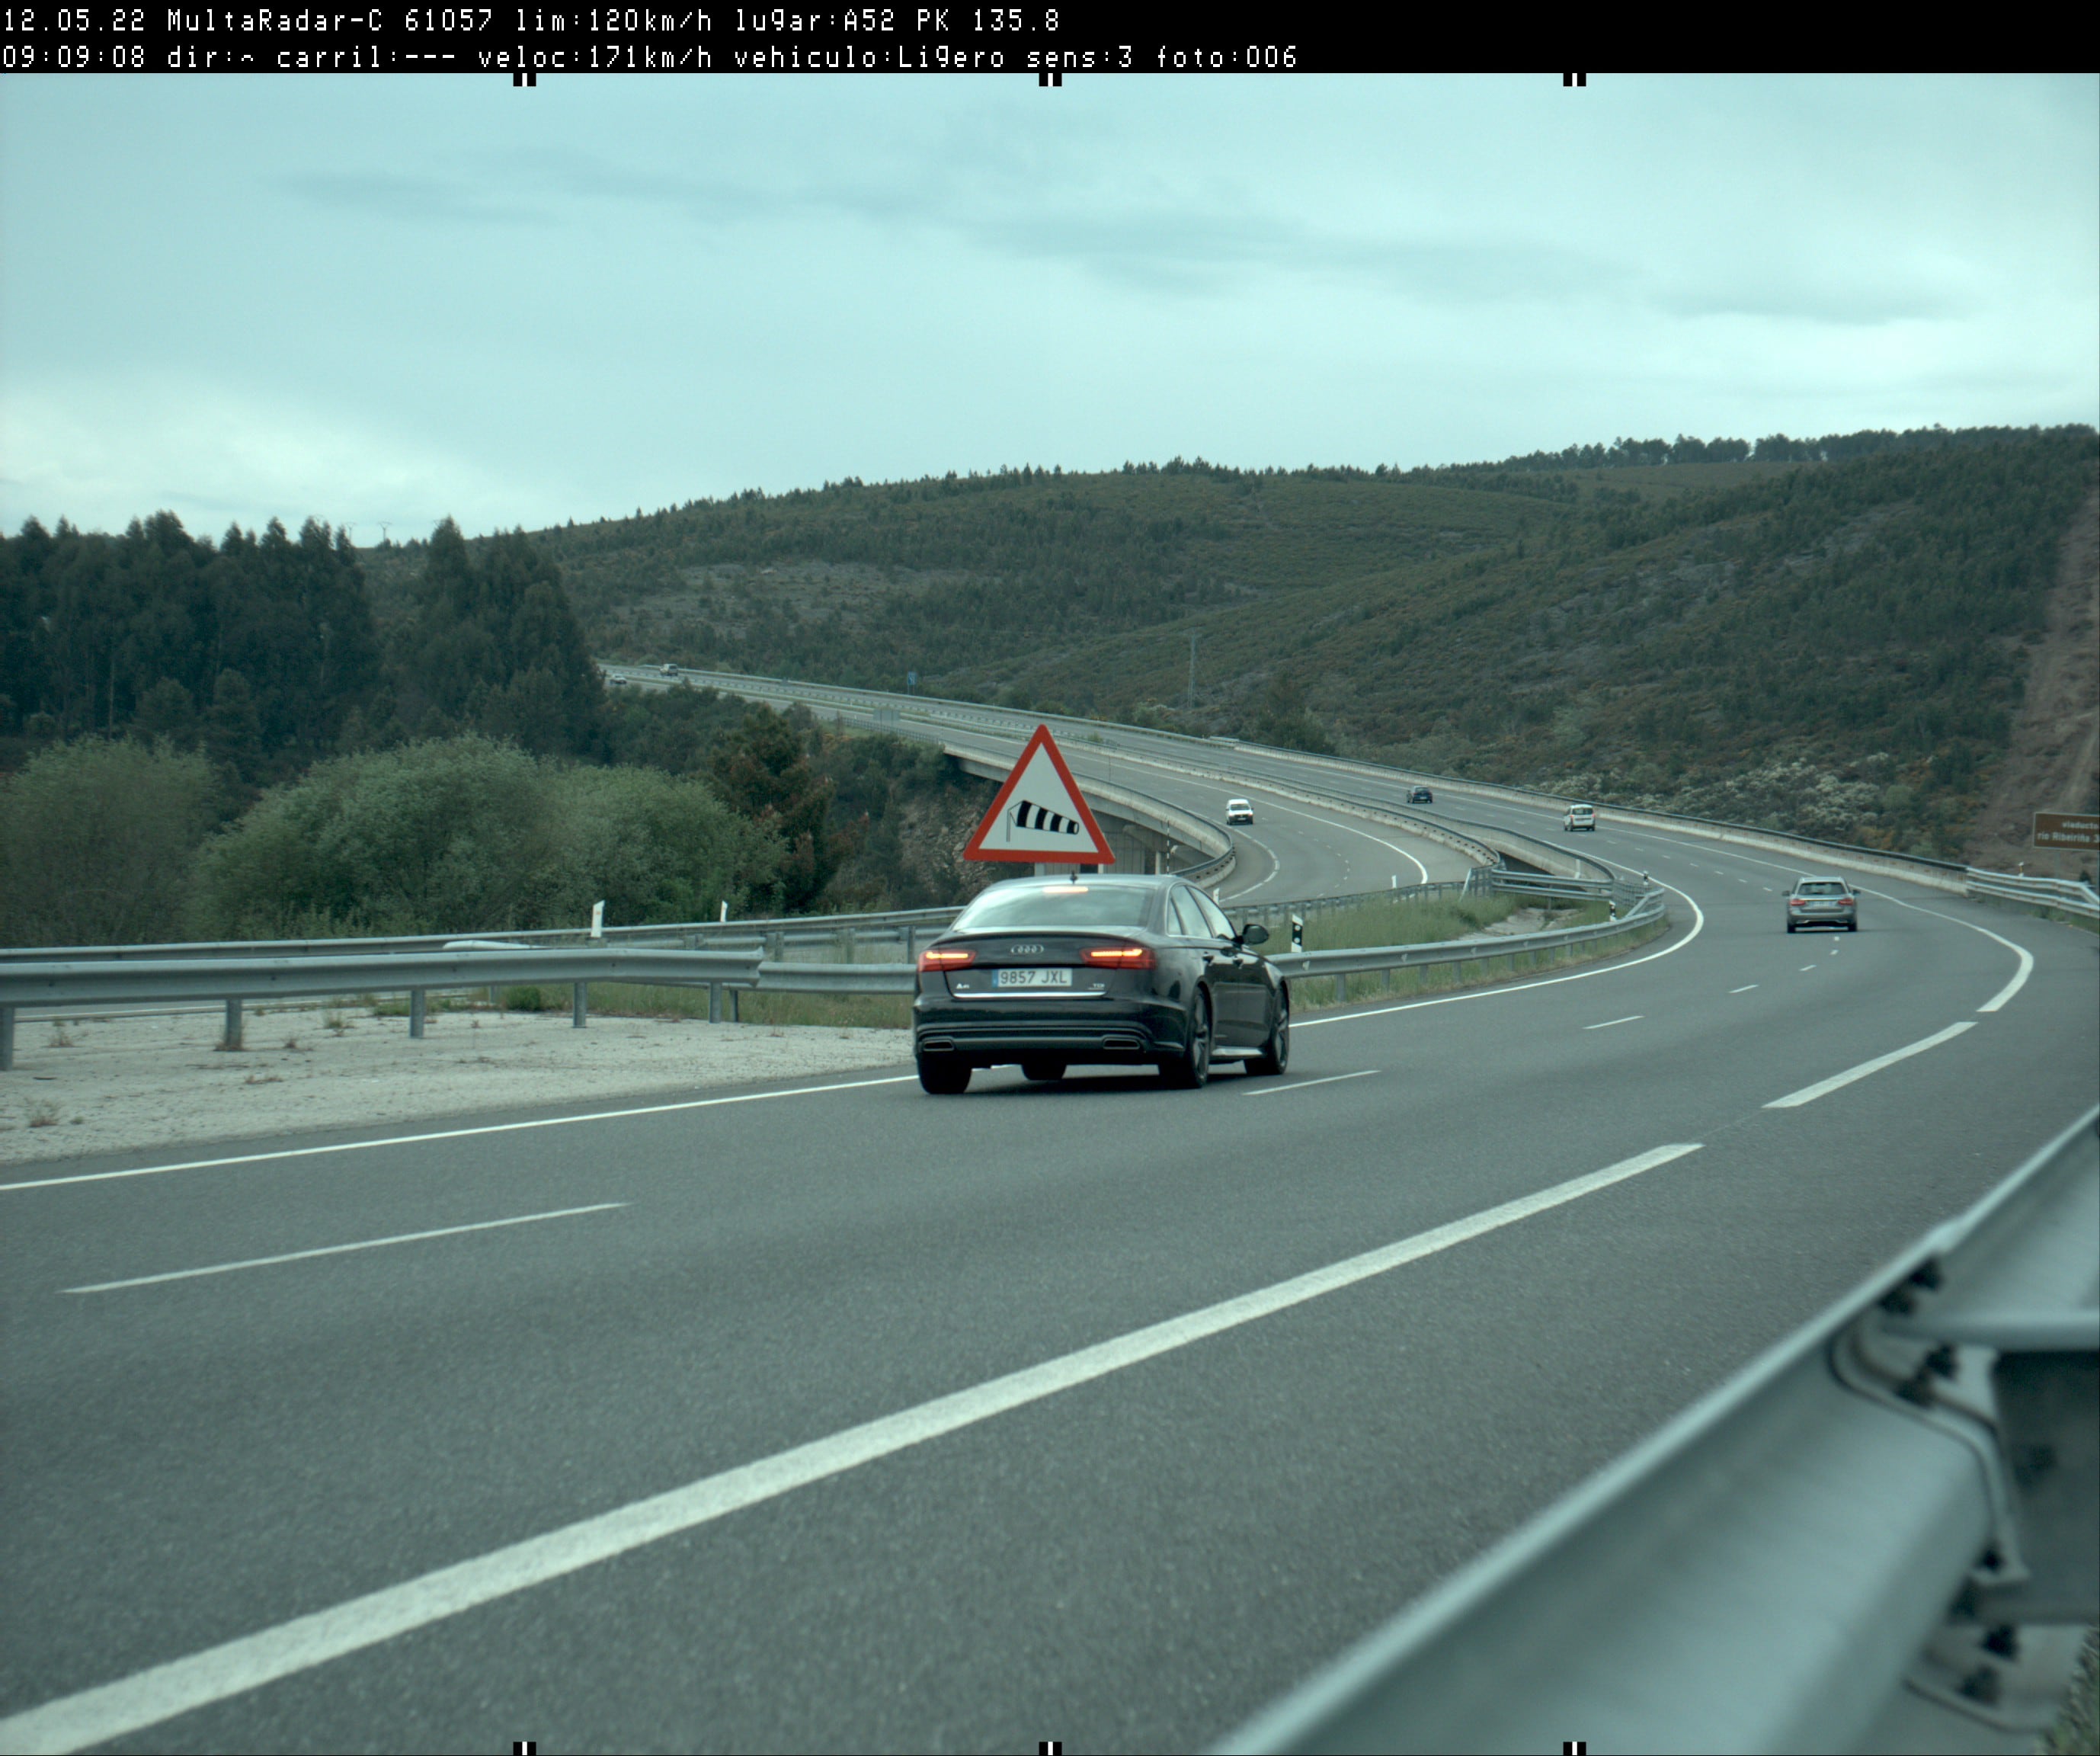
pixel 133 1083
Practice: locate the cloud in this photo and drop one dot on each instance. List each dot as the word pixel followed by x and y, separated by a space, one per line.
pixel 402 195
pixel 102 453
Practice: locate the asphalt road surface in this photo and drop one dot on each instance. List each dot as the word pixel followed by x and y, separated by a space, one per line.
pixel 842 1416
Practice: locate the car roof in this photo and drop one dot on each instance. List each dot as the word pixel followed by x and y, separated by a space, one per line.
pixel 1122 880
pixel 1822 878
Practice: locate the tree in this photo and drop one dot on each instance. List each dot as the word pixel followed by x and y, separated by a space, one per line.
pixel 493 647
pixel 763 773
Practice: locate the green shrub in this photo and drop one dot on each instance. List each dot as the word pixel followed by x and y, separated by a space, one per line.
pixel 466 836
pixel 96 842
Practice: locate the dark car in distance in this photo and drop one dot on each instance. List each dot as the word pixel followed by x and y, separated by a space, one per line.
pixel 1422 795
pixel 1095 970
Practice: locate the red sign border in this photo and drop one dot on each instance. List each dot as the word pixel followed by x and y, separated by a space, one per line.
pixel 1101 855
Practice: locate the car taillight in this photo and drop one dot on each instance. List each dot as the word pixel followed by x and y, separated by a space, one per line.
pixel 1122 956
pixel 947 957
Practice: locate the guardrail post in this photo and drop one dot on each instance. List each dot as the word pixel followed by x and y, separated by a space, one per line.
pixel 416 997
pixel 736 1005
pixel 714 1003
pixel 230 1038
pixel 7 1039
pixel 1341 987
pixel 579 1006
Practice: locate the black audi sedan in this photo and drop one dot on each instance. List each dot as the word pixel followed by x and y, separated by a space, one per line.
pixel 1050 973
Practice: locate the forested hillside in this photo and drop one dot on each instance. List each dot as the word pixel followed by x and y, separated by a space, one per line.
pixel 1830 635
pixel 214 737
pixel 1834 636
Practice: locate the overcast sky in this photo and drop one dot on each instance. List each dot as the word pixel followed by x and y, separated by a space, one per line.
pixel 378 301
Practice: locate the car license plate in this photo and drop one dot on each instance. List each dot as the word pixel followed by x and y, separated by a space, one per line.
pixel 1035 978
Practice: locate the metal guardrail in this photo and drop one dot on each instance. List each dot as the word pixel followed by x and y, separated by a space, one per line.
pixel 493 963
pixel 1649 908
pixel 2064 893
pixel 238 980
pixel 774 933
pixel 1882 1535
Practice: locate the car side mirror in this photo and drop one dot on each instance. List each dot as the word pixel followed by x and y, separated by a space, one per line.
pixel 1254 933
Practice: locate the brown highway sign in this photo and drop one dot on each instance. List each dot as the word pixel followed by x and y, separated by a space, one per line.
pixel 2067 829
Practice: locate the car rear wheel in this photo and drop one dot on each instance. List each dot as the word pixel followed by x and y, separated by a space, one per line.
pixel 1046 1071
pixel 1789 926
pixel 943 1076
pixel 1275 1055
pixel 1190 1068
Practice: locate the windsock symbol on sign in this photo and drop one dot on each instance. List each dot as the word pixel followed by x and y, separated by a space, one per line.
pixel 1040 813
pixel 1045 818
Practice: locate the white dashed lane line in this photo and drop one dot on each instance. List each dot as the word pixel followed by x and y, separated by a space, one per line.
pixel 1276 1091
pixel 130 1704
pixel 1630 1018
pixel 342 1250
pixel 1823 1087
pixel 1745 989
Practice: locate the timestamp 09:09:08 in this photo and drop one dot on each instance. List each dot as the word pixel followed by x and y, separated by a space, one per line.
pixel 82 57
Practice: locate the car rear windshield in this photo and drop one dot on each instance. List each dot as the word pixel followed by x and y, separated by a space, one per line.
pixel 1058 905
pixel 1819 889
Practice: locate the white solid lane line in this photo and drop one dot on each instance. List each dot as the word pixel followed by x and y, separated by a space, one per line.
pixel 1275 866
pixel 1996 1001
pixel 341 1250
pixel 1698 927
pixel 2026 957
pixel 1272 1091
pixel 1630 1018
pixel 456 1134
pixel 1327 823
pixel 1745 989
pixel 1823 1087
pixel 130 1704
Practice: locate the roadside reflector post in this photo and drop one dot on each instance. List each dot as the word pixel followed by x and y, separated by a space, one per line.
pixel 417 999
pixel 580 1005
pixel 230 1038
pixel 714 1003
pixel 7 1039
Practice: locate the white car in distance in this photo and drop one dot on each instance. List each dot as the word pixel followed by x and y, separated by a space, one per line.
pixel 1238 811
pixel 1581 817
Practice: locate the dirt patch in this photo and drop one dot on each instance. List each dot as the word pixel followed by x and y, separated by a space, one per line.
pixel 141 1084
pixel 2053 761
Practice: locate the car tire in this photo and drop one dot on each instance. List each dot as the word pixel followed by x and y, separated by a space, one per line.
pixel 1043 1072
pixel 1191 1068
pixel 1852 926
pixel 1789 926
pixel 943 1076
pixel 1275 1057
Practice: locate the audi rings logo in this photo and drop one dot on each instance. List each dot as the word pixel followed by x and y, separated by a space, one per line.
pixel 1024 951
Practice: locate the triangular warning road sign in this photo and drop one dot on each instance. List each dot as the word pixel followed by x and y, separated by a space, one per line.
pixel 1040 813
